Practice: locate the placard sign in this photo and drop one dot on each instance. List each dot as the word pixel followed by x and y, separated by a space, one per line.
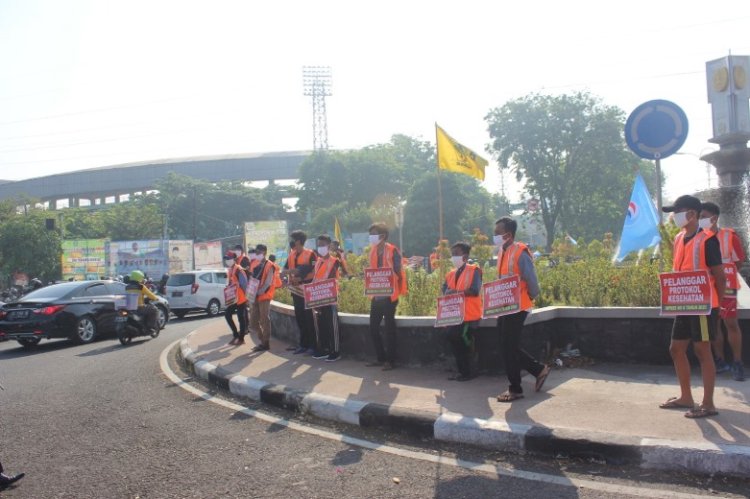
pixel 685 293
pixel 321 293
pixel 379 282
pixel 450 310
pixel 252 289
pixel 230 295
pixel 733 284
pixel 502 297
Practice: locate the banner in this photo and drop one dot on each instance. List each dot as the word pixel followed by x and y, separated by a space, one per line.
pixel 273 233
pixel 321 293
pixel 379 282
pixel 149 257
pixel 252 289
pixel 208 255
pixel 180 256
pixel 685 293
pixel 455 157
pixel 641 227
pixel 230 295
pixel 84 259
pixel 502 297
pixel 450 310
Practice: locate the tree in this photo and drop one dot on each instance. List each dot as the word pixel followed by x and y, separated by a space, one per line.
pixel 26 245
pixel 571 154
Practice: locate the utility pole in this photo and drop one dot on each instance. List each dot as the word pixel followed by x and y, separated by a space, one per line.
pixel 316 83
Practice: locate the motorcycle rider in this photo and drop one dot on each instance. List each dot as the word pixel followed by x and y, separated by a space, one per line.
pixel 148 311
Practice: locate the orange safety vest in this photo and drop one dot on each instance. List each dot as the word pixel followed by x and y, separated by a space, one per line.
pixel 268 295
pixel 507 265
pixel 400 287
pixel 276 276
pixel 472 304
pixel 692 256
pixel 324 267
pixel 728 255
pixel 241 298
pixel 306 255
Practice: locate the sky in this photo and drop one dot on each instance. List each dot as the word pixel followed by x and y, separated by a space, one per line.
pixel 96 83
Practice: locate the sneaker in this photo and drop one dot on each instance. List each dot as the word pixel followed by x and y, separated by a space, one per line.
pixel 299 351
pixel 738 372
pixel 333 357
pixel 320 355
pixel 6 480
pixel 722 366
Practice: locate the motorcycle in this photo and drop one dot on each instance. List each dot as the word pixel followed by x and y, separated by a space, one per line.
pixel 130 324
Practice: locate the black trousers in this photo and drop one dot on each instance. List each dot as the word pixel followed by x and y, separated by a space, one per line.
pixel 509 328
pixel 384 309
pixel 241 311
pixel 460 338
pixel 304 318
pixel 327 327
pixel 150 315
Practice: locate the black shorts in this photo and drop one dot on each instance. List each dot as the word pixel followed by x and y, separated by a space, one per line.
pixel 696 327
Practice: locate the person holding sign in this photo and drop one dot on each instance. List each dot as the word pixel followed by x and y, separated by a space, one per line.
pixel 731 253
pixel 260 309
pixel 236 279
pixel 514 259
pixel 326 318
pixel 385 255
pixel 299 268
pixel 465 278
pixel 695 249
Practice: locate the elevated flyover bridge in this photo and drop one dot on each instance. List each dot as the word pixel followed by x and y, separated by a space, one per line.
pixel 98 184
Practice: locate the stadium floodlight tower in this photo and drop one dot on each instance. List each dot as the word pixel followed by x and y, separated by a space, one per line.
pixel 316 82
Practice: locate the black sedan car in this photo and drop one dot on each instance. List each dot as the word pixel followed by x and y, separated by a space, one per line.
pixel 81 311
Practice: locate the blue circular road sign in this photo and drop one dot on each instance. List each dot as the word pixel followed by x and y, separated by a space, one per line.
pixel 656 129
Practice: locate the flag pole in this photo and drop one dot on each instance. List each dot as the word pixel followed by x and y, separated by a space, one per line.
pixel 440 187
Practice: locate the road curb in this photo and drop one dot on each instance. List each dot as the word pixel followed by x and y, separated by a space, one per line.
pixel 490 434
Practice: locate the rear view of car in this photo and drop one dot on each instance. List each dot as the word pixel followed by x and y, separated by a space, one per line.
pixel 196 290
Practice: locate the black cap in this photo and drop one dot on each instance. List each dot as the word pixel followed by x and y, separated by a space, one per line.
pixel 683 202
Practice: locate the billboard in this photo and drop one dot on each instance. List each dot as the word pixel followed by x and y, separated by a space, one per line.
pixel 84 259
pixel 273 234
pixel 150 257
pixel 208 255
pixel 180 256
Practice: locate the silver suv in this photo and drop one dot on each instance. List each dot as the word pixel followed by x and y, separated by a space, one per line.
pixel 197 290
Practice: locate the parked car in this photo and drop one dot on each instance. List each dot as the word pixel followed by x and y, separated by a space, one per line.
pixel 197 290
pixel 81 311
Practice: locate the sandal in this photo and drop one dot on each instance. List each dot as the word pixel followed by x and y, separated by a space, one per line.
pixel 673 404
pixel 509 396
pixel 701 412
pixel 542 378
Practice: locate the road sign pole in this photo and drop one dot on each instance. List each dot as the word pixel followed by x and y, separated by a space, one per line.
pixel 658 190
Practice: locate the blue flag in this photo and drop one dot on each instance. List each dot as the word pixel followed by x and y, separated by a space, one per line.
pixel 641 227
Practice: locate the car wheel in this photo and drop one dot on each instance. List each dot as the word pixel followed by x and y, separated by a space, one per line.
pixel 85 330
pixel 29 342
pixel 214 307
pixel 180 313
pixel 162 317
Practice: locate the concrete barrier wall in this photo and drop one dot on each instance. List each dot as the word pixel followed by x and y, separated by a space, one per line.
pixel 631 335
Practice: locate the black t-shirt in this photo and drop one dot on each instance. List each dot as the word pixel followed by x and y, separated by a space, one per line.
pixel 713 250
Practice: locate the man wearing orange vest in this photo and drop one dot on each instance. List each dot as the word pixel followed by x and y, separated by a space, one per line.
pixel 514 258
pixel 731 253
pixel 384 254
pixel 236 276
pixel 326 318
pixel 299 268
pixel 260 310
pixel 695 249
pixel 465 278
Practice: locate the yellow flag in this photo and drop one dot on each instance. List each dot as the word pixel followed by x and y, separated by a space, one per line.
pixel 337 231
pixel 454 157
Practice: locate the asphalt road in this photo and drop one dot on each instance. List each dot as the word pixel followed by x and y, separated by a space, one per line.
pixel 103 421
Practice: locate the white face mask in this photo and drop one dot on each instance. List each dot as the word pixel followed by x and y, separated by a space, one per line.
pixel 457 261
pixel 680 219
pixel 705 223
pixel 374 238
pixel 497 240
pixel 237 252
pixel 322 250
